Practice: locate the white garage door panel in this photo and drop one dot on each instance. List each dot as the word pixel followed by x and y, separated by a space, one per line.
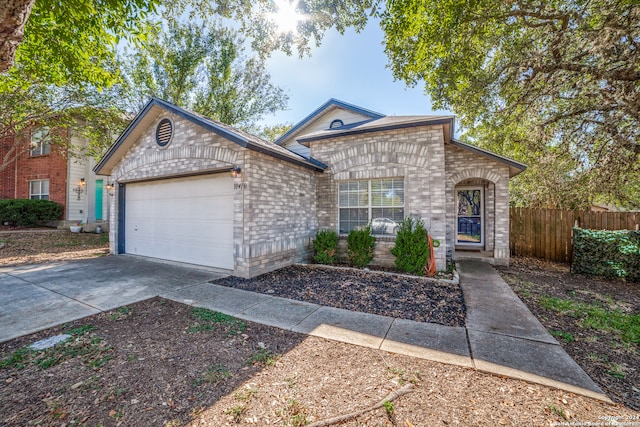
pixel 185 219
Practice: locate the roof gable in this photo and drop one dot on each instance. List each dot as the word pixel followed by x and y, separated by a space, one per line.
pixel 317 114
pixel 156 106
pixel 514 167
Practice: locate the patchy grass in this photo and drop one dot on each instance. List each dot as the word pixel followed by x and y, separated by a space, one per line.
pixel 82 345
pixel 627 326
pixel 206 320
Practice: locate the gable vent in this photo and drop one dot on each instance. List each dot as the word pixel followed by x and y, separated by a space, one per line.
pixel 336 124
pixel 164 132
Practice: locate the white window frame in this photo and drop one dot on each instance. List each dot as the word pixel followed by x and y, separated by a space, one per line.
pixel 39 195
pixel 38 147
pixel 482 209
pixel 369 205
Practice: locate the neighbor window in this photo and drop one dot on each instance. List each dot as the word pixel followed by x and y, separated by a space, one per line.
pixel 379 202
pixel 39 189
pixel 39 147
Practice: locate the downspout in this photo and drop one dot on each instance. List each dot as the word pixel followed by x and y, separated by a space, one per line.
pixel 15 178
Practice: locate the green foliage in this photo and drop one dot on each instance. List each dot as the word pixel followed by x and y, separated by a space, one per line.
pixel 412 246
pixel 627 326
pixel 607 253
pixel 566 336
pixel 519 70
pixel 325 247
pixel 74 109
pixel 204 70
pixel 263 357
pixel 88 348
pixel 208 319
pixel 29 213
pixel 74 41
pixel 361 247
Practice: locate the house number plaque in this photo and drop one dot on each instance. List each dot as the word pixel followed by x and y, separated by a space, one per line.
pixel 239 185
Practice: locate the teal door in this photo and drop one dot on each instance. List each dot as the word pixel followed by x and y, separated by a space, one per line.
pixel 99 200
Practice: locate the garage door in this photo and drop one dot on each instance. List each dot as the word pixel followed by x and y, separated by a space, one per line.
pixel 184 219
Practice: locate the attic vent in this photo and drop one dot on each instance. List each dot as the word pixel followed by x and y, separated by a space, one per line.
pixel 164 132
pixel 336 124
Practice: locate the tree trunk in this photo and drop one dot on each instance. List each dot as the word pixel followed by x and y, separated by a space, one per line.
pixel 13 17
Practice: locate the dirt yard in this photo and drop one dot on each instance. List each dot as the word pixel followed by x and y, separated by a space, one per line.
pixel 163 363
pixel 597 321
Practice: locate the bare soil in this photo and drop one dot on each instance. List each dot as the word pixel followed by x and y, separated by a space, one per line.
pixel 22 247
pixel 610 361
pixel 163 363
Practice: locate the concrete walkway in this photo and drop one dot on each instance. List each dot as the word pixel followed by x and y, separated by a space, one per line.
pixel 501 335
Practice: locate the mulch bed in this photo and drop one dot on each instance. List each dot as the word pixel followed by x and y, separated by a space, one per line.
pixel 368 292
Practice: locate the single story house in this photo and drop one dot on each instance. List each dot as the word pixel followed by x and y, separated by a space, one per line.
pixel 193 190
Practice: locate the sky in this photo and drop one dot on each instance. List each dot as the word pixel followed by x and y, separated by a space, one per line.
pixel 349 67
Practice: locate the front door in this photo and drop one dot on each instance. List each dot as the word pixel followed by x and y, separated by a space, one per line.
pixel 99 200
pixel 470 213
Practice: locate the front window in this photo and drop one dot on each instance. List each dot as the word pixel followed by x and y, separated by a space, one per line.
pixel 39 189
pixel 39 146
pixel 379 202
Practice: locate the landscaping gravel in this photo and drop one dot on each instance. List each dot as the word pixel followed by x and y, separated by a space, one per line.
pixel 372 292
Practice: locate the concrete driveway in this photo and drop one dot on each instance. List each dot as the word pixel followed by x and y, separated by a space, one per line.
pixel 36 297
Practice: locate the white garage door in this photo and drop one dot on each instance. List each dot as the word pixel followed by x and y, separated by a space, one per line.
pixel 183 219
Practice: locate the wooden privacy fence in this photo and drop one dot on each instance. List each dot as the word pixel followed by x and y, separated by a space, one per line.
pixel 546 233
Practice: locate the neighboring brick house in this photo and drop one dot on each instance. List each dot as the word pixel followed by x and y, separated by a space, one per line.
pixel 50 173
pixel 194 190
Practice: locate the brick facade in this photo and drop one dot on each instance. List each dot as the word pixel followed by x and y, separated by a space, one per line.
pixel 274 212
pixel 279 204
pixel 466 168
pixel 16 177
pixel 416 154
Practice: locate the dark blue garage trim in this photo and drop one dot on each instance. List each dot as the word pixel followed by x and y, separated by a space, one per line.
pixel 122 189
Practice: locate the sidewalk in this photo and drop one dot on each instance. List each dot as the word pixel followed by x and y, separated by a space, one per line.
pixel 501 335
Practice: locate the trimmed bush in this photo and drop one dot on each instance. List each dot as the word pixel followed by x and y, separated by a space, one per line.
pixel 412 247
pixel 325 247
pixel 607 253
pixel 29 213
pixel 360 247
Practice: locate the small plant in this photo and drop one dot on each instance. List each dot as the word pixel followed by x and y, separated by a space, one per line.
pixel 263 357
pixel 214 375
pixel 236 412
pixel 325 247
pixel 566 336
pixel 361 246
pixel 412 247
pixel 558 411
pixel 245 394
pixel 616 371
pixel 294 414
pixel 209 318
pixel 388 406
pixel 80 330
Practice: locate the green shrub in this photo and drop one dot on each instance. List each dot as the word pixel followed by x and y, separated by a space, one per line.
pixel 29 213
pixel 325 247
pixel 607 253
pixel 361 247
pixel 412 247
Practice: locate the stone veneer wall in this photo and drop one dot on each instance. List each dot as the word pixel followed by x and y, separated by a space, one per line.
pixel 279 215
pixel 417 154
pixel 465 167
pixel 192 150
pixel 274 202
